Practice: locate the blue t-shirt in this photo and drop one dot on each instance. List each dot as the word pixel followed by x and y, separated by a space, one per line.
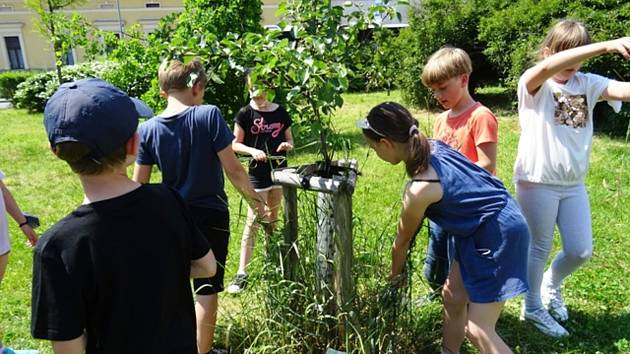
pixel 185 149
pixel 471 195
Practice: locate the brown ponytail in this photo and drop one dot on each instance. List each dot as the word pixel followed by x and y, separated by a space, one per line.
pixel 393 121
pixel 419 154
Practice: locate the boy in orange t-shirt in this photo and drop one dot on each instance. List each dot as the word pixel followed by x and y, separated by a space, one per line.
pixel 470 128
pixel 472 132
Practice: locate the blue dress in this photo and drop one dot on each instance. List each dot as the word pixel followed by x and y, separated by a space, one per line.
pixel 488 235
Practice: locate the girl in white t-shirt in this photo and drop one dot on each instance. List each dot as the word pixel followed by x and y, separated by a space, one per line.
pixel 555 106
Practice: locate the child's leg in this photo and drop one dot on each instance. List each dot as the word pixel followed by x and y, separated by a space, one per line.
pixel 4 259
pixel 574 224
pixel 539 204
pixel 274 200
pixel 455 310
pixel 206 307
pixel 249 237
pixel 482 319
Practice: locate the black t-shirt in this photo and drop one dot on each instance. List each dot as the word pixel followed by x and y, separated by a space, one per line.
pixel 118 270
pixel 264 131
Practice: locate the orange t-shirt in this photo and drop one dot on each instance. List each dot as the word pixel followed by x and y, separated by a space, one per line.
pixel 466 131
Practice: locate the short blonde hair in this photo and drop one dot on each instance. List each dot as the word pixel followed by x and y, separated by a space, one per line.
pixel 176 76
pixel 565 34
pixel 446 64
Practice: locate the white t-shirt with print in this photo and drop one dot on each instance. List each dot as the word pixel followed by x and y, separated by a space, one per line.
pixel 557 129
pixel 4 225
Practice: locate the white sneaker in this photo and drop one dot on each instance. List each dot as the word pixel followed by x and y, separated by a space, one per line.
pixel 552 300
pixel 542 320
pixel 238 284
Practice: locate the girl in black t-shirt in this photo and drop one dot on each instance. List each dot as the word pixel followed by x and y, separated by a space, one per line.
pixel 262 129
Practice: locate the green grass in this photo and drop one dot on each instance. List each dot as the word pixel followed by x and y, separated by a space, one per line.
pixel 598 295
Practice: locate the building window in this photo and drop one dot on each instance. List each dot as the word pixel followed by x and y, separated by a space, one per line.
pixel 68 58
pixel 106 6
pixel 14 52
pixel 6 8
pixel 151 4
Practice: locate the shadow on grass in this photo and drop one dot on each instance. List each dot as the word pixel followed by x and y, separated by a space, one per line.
pixel 603 333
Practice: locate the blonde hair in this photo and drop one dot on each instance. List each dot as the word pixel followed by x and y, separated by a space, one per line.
pixel 565 34
pixel 176 76
pixel 445 64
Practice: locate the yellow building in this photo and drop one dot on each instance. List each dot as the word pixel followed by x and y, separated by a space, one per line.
pixel 23 47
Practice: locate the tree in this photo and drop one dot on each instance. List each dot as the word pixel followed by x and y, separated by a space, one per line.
pixel 64 32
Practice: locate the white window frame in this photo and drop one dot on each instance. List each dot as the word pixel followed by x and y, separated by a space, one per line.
pixel 12 29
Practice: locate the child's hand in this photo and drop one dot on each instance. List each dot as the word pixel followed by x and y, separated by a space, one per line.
pixel 398 281
pixel 284 147
pixel 620 45
pixel 259 155
pixel 30 234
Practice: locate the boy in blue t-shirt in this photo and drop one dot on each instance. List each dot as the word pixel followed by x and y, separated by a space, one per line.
pixel 191 144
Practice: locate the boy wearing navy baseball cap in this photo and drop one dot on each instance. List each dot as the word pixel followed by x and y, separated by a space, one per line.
pixel 113 275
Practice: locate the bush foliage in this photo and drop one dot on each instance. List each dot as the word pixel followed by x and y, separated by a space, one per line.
pixel 33 93
pixel 437 23
pixel 9 80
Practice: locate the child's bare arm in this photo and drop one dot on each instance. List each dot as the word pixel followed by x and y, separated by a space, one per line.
pixel 557 62
pixel 14 210
pixel 287 144
pixel 239 179
pixel 73 346
pixel 239 147
pixel 204 267
pixel 487 156
pixel 617 90
pixel 142 173
pixel 418 196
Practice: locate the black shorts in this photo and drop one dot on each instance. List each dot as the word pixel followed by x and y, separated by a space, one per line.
pixel 260 173
pixel 215 225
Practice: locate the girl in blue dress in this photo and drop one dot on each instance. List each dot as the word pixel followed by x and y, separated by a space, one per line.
pixel 489 236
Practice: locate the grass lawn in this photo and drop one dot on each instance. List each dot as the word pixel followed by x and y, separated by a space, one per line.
pixel 598 295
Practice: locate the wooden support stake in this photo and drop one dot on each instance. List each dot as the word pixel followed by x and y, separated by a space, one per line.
pixel 290 255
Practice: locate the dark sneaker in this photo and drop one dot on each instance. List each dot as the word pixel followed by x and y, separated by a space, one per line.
pixel 238 284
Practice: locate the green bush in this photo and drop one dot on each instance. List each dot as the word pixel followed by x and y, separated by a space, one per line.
pixel 606 121
pixel 434 24
pixel 514 33
pixel 9 80
pixel 373 65
pixel 33 93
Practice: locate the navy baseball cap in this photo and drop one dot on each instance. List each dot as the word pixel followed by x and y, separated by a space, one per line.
pixel 95 113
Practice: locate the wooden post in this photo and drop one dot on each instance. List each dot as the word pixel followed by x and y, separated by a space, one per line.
pixel 344 282
pixel 325 243
pixel 290 231
pixel 334 232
